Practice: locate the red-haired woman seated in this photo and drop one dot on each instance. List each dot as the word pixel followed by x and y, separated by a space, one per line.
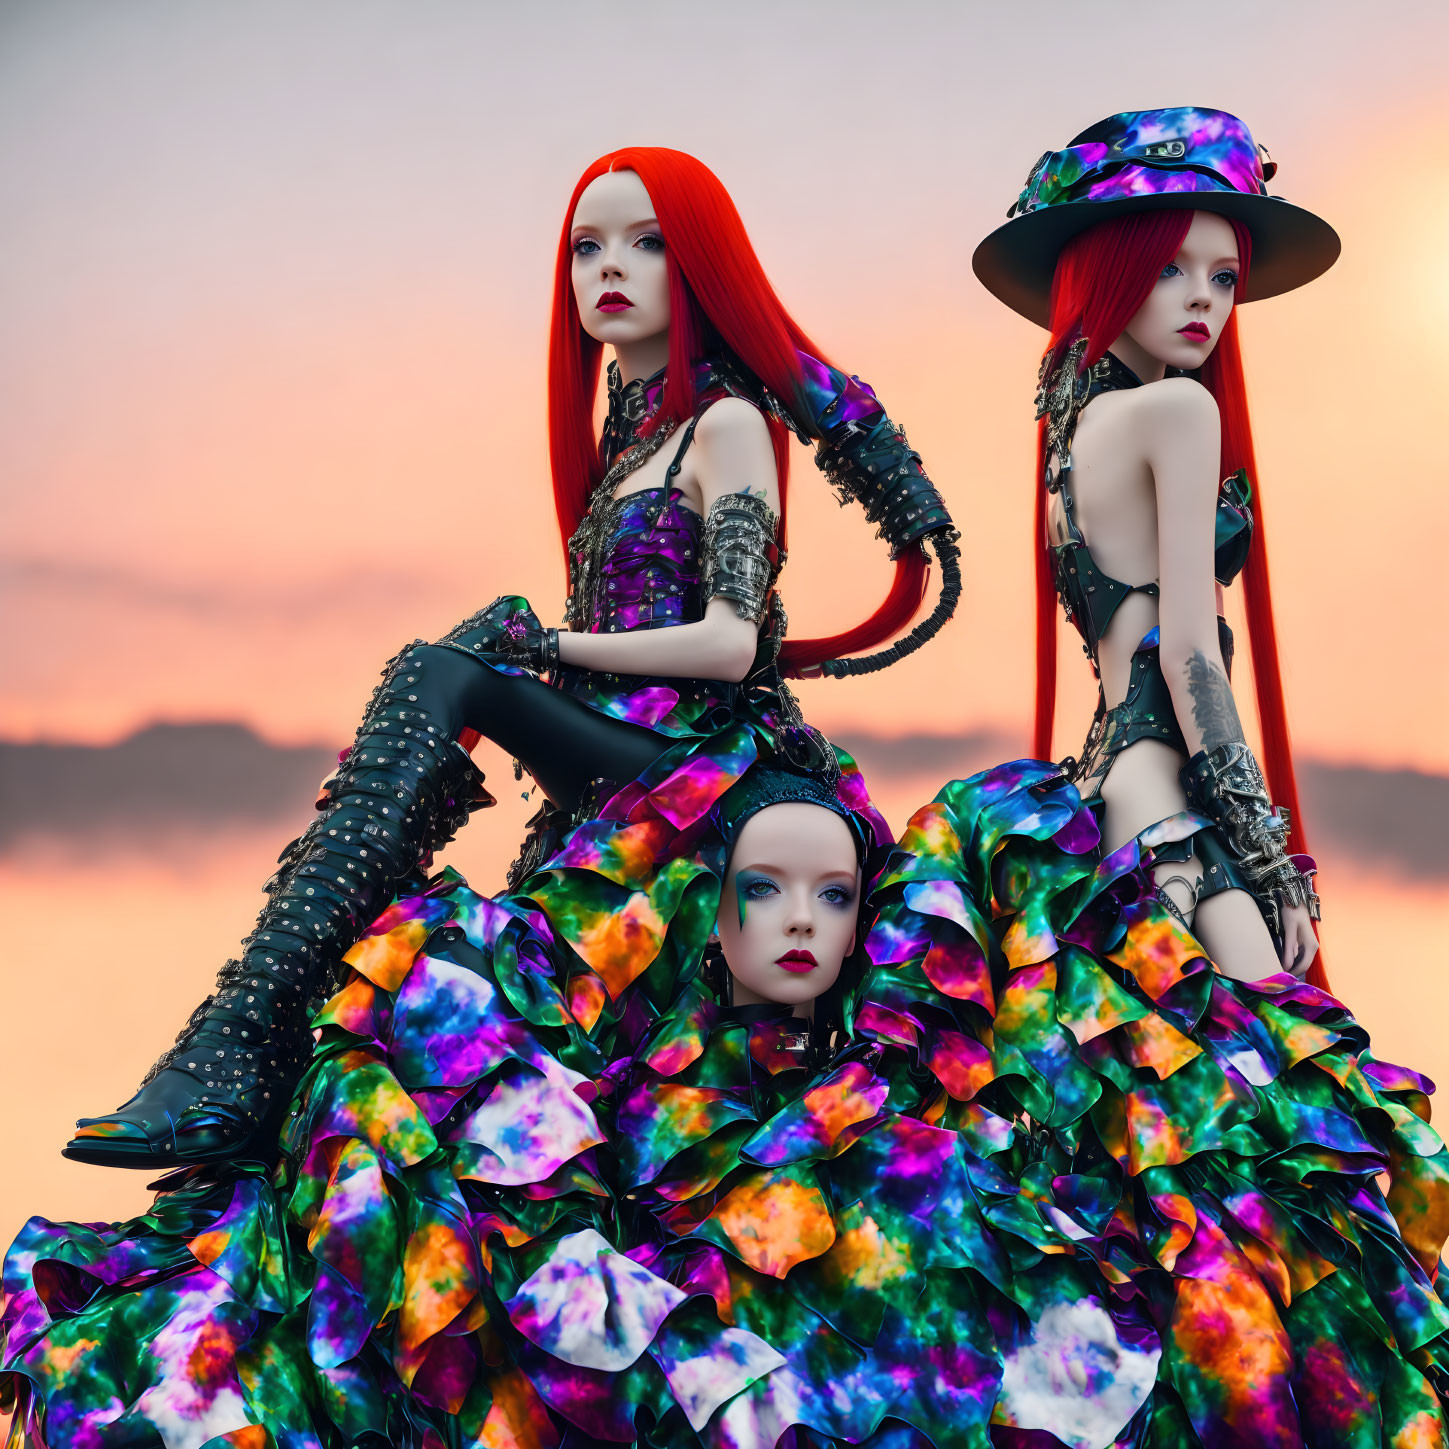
pixel 674 529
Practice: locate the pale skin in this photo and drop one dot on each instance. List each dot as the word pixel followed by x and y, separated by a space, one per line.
pixel 1146 470
pixel 619 251
pixel 792 888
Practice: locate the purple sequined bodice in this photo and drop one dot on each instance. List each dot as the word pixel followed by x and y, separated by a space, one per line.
pixel 647 573
pixel 634 563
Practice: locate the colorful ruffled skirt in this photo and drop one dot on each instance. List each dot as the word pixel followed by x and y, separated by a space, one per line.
pixel 1260 1203
pixel 1062 1183
pixel 858 1227
pixel 436 1260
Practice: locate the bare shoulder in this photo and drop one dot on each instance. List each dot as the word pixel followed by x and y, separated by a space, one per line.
pixel 733 452
pixel 1176 426
pixel 731 421
pixel 1175 401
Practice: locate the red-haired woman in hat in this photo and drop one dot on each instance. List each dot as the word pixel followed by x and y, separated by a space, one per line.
pixel 1135 246
pixel 673 526
pixel 351 1293
pixel 1262 1202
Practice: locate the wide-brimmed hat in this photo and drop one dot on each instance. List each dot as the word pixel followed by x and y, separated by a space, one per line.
pixel 1181 157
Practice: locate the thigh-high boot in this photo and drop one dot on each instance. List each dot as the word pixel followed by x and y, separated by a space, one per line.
pixel 404 788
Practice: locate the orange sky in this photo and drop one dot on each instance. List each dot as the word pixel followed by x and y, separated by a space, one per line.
pixel 276 293
pixel 274 288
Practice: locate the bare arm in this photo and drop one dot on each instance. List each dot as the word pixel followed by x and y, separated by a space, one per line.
pixel 1182 437
pixel 1180 432
pixel 731 453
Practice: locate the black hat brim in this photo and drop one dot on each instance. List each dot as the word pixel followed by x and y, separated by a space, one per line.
pixel 1291 246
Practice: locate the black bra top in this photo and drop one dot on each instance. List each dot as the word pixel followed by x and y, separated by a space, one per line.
pixel 1089 596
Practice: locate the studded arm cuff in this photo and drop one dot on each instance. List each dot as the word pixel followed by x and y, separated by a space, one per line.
pixel 1226 785
pixel 740 558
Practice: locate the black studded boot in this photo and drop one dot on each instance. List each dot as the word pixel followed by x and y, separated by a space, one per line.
pixel 402 791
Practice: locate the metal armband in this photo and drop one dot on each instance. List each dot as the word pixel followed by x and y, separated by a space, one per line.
pixel 740 558
pixel 1226 785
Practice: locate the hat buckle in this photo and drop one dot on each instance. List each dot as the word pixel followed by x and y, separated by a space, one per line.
pixel 1173 150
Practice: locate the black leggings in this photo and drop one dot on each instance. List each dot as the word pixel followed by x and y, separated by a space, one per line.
pixel 560 741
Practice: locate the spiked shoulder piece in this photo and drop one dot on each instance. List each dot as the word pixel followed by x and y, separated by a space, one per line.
pixel 867 459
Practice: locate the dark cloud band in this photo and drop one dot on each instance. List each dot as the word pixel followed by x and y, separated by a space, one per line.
pixel 172 776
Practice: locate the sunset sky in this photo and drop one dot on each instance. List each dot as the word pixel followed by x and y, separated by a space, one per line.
pixel 275 285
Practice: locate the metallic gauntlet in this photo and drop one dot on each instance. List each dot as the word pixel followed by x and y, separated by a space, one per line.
pixel 529 646
pixel 1226 785
pixel 740 558
pixel 867 460
pixel 507 631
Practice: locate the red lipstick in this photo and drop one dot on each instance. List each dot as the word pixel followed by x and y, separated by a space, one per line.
pixel 613 302
pixel 1195 332
pixel 797 961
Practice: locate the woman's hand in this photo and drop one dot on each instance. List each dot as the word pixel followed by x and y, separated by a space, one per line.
pixel 526 644
pixel 1300 945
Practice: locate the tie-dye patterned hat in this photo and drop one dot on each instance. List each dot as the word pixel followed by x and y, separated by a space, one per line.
pixel 1180 157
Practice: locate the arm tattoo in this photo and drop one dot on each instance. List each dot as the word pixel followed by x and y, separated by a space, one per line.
pixel 1213 710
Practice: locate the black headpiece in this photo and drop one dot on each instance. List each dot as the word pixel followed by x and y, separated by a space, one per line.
pixel 761 788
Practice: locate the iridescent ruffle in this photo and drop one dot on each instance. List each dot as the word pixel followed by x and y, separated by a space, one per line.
pixel 859 1225
pixel 1237 1174
pixel 126 1335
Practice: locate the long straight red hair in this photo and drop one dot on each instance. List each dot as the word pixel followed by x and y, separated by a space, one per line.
pixel 718 292
pixel 1103 277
